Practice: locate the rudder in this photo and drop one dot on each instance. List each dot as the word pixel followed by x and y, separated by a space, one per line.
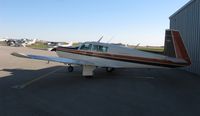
pixel 174 46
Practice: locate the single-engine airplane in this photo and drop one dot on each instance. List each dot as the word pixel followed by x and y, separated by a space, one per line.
pixel 91 55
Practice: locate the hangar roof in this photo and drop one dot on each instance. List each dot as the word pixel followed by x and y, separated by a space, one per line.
pixel 182 8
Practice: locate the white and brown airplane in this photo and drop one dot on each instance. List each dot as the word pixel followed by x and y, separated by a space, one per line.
pixel 91 55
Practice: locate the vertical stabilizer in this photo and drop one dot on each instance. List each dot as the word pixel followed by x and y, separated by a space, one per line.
pixel 174 46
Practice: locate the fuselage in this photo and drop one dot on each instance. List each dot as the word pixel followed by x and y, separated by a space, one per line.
pixel 116 56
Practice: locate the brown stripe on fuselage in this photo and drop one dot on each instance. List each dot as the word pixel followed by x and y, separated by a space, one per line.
pixel 148 61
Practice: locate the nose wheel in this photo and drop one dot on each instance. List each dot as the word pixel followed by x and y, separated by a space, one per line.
pixel 70 69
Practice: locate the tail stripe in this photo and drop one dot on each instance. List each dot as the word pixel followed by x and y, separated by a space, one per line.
pixel 180 49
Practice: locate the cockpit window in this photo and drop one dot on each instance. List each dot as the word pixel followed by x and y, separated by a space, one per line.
pixel 86 47
pixel 96 48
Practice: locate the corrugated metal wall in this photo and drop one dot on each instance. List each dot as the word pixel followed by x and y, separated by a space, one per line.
pixel 187 21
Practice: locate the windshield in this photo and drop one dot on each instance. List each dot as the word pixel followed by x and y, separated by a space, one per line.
pixel 96 48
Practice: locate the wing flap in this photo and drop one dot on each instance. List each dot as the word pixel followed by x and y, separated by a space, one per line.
pixel 54 59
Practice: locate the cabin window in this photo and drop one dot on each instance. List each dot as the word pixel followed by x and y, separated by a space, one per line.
pixel 95 48
pixel 102 49
pixel 86 47
pixel 99 48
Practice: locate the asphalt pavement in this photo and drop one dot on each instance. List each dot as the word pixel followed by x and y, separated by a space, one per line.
pixel 36 88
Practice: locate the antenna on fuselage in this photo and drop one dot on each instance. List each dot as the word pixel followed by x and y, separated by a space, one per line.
pixel 100 39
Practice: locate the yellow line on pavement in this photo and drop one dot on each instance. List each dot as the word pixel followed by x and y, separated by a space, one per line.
pixel 36 79
pixel 145 77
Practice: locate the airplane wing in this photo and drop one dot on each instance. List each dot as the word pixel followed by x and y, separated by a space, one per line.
pixel 54 59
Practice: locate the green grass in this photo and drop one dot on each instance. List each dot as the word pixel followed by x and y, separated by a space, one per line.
pixel 152 49
pixel 38 45
pixel 76 44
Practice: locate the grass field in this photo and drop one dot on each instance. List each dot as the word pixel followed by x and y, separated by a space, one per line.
pixel 39 45
pixel 159 50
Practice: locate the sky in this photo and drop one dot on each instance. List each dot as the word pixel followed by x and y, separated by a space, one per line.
pixel 119 21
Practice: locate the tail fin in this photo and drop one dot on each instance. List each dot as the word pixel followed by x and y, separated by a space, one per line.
pixel 174 46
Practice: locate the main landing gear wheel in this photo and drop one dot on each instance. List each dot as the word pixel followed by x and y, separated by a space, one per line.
pixel 108 69
pixel 70 69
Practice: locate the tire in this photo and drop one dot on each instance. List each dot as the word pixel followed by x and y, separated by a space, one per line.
pixel 70 69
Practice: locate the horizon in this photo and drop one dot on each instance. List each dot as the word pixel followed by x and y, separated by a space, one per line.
pixel 127 22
